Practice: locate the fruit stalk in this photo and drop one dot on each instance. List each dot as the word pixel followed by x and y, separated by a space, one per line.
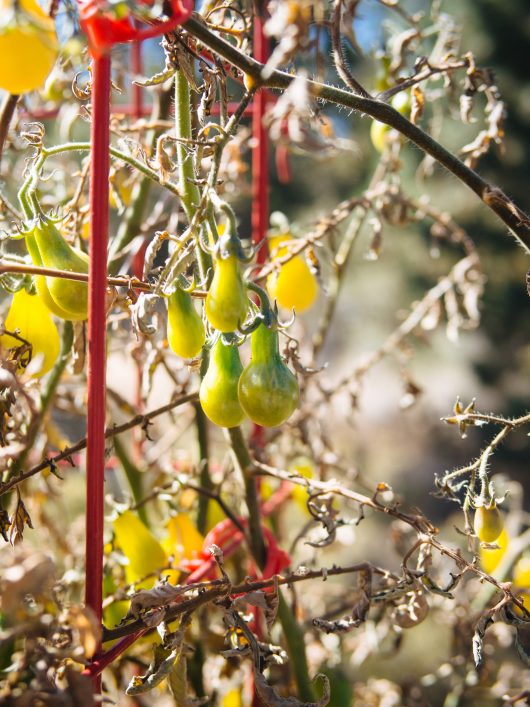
pixel 99 210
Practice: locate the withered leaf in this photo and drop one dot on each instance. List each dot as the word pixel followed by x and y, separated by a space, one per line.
pixel 5 524
pixel 271 698
pixel 19 520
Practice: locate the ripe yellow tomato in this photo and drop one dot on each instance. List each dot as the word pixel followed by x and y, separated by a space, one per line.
pixel 488 523
pixel 293 285
pixel 304 467
pixel 521 572
pixel 521 579
pixel 32 318
pixel 490 559
pixel 28 46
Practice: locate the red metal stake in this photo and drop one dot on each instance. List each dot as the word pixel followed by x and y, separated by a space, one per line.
pixel 97 285
pixel 260 152
pixel 260 173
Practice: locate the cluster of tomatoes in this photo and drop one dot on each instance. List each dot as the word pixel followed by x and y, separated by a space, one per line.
pixel 265 391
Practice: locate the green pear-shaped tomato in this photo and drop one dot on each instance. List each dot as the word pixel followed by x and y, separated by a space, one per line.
pixel 226 304
pixel 218 391
pixel 65 298
pixel 185 329
pixel 268 391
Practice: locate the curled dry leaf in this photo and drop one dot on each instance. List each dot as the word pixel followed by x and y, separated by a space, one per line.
pixel 19 520
pixel 159 596
pixel 271 698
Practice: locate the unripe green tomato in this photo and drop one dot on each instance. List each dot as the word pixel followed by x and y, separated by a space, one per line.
pixel 218 392
pixel 488 523
pixel 185 329
pixel 226 304
pixel 268 391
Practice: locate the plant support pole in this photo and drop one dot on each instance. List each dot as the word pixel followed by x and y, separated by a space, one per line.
pixel 97 285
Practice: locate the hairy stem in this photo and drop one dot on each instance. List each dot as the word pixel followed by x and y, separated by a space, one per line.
pixel 511 215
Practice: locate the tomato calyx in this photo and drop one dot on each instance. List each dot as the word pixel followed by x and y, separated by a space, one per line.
pixel 106 24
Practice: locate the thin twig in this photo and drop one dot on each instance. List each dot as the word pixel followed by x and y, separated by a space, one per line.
pixel 110 432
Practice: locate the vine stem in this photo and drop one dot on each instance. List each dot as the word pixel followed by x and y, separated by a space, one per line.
pixel 189 191
pixel 509 213
pixel 97 284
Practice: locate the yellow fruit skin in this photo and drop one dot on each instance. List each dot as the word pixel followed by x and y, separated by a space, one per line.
pixel 31 317
pixel 379 132
pixel 183 540
pixel 521 579
pixel 185 330
pixel 145 554
pixel 226 304
pixel 521 573
pixel 28 46
pixel 490 559
pixel 488 523
pixel 293 285
pixel 379 135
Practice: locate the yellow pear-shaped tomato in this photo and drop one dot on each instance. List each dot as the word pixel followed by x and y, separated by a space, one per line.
pixel 28 46
pixel 185 329
pixel 226 304
pixel 218 392
pixel 31 317
pixel 183 540
pixel 47 247
pixel 293 285
pixel 145 554
pixel 488 523
pixel 490 559
pixel 268 391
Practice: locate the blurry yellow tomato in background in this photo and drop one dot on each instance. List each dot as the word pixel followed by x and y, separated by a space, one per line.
pixel 490 559
pixel 293 285
pixel 28 46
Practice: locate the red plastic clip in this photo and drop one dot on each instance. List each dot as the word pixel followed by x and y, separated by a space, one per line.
pixel 104 26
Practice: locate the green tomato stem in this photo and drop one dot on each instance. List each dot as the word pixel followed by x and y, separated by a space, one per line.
pixel 190 194
pixel 294 635
pixel 134 478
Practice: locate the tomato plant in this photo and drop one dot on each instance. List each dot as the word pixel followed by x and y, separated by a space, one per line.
pixel 252 500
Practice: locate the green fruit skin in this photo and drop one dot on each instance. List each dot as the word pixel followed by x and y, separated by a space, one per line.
pixel 40 280
pixel 488 523
pixel 268 391
pixel 69 296
pixel 218 392
pixel 226 304
pixel 185 329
